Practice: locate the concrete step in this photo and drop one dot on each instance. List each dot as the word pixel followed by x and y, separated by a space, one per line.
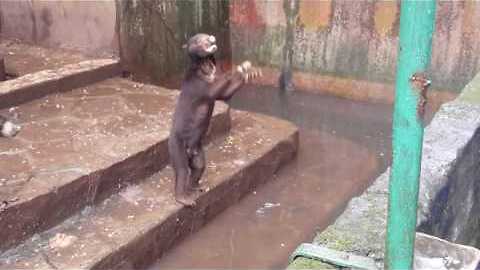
pixel 41 83
pixel 77 148
pixel 136 226
pixel 34 71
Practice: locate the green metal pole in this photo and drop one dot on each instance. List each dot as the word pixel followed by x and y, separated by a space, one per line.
pixel 417 19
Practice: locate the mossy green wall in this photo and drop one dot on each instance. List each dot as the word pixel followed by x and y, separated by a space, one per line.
pixel 151 33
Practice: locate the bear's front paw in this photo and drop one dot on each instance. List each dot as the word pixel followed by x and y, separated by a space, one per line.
pixel 248 72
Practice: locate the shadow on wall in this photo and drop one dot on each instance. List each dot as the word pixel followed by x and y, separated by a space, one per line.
pixel 455 212
pixel 152 33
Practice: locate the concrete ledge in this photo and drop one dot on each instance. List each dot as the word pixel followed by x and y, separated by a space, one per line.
pixel 36 85
pixel 446 140
pixel 435 253
pixel 448 206
pixel 304 263
pixel 449 201
pixel 78 148
pixel 135 227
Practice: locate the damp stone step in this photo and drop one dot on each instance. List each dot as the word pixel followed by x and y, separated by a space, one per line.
pixel 134 227
pixel 38 84
pixel 33 71
pixel 77 148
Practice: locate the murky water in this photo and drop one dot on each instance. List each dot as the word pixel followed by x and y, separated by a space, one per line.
pixel 343 146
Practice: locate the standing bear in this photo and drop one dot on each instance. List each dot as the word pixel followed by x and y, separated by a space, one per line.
pixel 200 88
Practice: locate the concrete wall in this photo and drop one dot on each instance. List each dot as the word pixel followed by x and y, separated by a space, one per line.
pixel 449 201
pixel 153 32
pixel 342 47
pixel 353 39
pixel 147 34
pixel 88 26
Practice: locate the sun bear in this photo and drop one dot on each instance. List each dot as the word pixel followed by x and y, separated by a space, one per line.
pixel 200 88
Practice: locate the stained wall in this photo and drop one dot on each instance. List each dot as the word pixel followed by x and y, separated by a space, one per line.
pixel 353 39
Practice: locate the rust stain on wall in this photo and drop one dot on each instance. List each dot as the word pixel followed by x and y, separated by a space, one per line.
pixel 315 14
pixel 470 21
pixel 385 17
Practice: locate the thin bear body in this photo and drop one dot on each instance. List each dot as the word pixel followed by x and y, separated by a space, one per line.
pixel 200 88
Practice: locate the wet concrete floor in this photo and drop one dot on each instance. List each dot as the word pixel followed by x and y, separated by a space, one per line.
pixel 71 134
pixel 344 145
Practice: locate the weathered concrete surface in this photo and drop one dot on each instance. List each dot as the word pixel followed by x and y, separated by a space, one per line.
pixel 77 148
pixel 304 263
pixel 131 229
pixel 448 201
pixel 147 34
pixel 36 85
pixel 87 26
pixel 435 253
pixel 453 205
pixel 354 39
pixel 448 145
pixel 361 227
pixel 22 58
pixel 358 90
pixel 430 253
pixel 152 33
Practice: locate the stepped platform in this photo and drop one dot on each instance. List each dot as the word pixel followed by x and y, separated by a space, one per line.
pixel 22 59
pixel 77 148
pixel 134 227
pixel 34 72
pixel 86 183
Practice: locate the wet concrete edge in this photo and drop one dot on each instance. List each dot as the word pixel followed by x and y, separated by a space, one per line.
pixel 152 244
pixel 361 229
pixel 42 83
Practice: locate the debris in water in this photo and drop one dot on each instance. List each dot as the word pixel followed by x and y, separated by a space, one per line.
pixel 260 211
pixel 270 205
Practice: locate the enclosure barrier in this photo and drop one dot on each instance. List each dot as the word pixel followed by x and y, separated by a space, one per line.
pixel 416 28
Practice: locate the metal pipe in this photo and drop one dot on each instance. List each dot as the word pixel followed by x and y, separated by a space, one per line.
pixel 416 29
